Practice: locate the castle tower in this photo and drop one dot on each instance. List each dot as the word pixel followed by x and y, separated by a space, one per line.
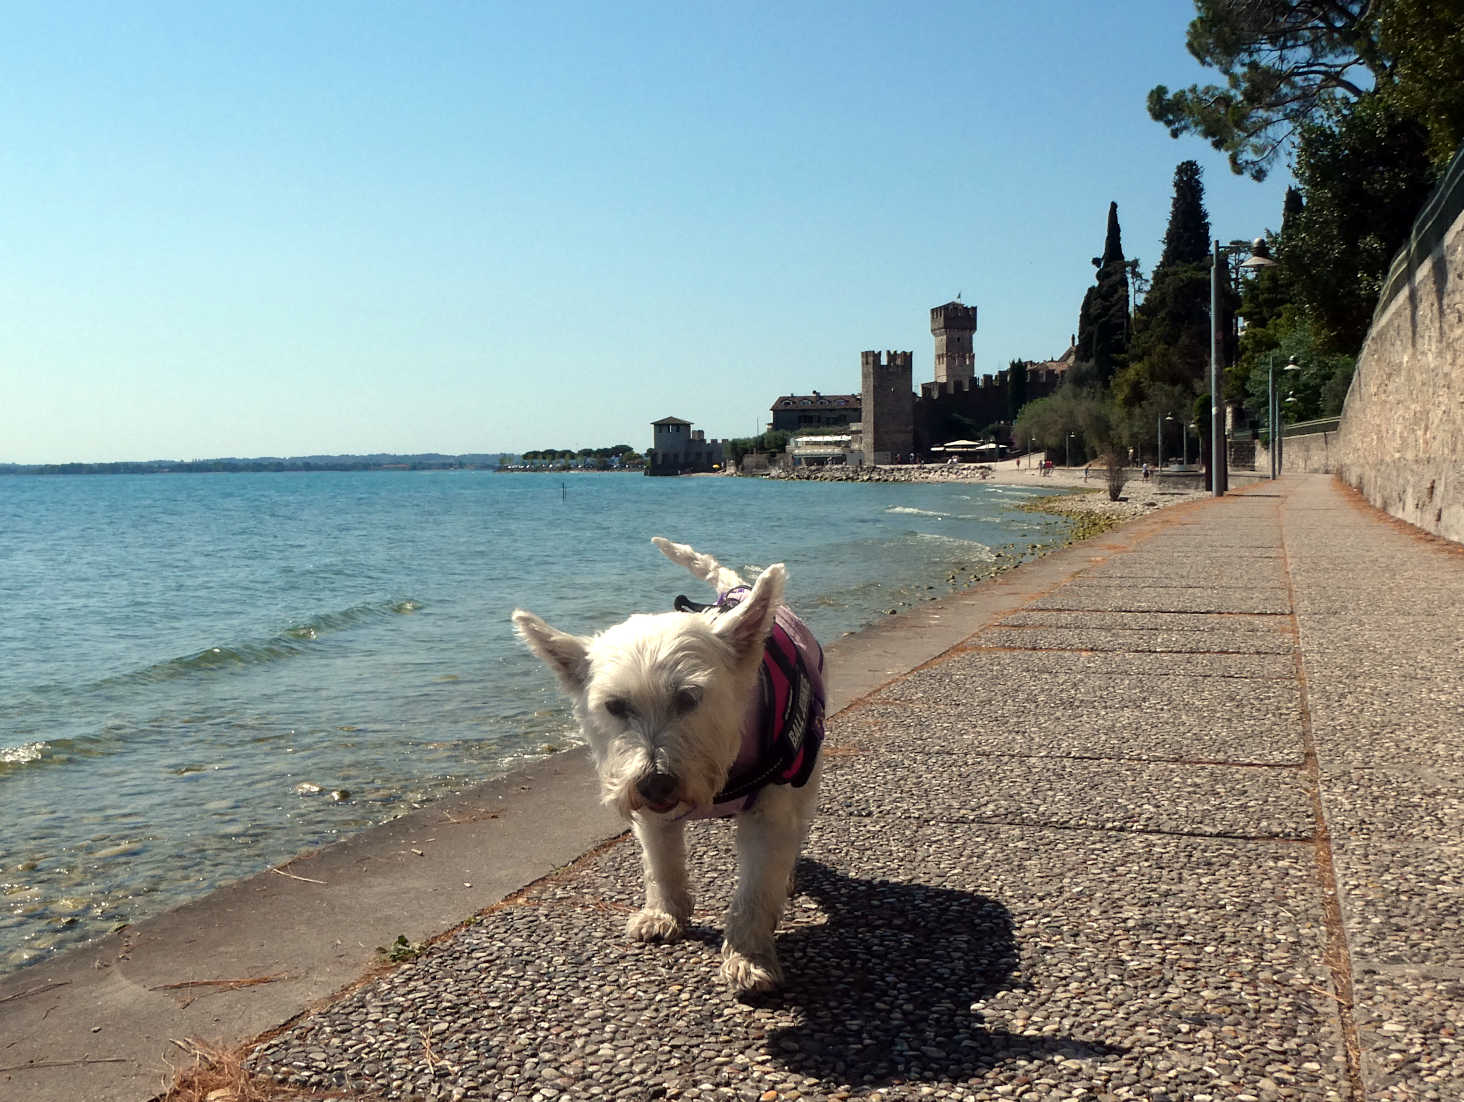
pixel 887 405
pixel 953 325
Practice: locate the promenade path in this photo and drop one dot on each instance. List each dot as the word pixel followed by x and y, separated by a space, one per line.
pixel 1179 814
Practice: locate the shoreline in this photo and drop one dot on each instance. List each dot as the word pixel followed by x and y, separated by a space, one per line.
pixel 241 961
pixel 271 945
pixel 1086 485
pixel 1079 509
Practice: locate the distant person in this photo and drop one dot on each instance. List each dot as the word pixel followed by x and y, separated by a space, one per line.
pixel 1146 472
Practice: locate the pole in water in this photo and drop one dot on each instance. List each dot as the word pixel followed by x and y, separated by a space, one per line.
pixel 563 492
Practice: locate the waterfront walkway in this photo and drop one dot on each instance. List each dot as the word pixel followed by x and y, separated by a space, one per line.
pixel 1177 813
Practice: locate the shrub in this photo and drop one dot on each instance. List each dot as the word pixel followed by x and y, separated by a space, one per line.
pixel 1117 474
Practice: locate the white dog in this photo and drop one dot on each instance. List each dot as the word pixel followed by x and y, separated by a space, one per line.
pixel 708 711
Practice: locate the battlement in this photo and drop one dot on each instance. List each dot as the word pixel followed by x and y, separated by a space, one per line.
pixel 889 359
pixel 953 315
pixel 995 383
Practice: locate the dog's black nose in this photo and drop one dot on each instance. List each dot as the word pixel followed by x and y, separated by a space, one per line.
pixel 658 789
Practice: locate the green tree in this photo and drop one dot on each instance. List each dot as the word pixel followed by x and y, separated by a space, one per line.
pixel 1291 64
pixel 1016 388
pixel 1171 341
pixel 1083 412
pixel 1364 175
pixel 1103 320
pixel 1284 62
pixel 1317 390
pixel 1424 39
pixel 1187 234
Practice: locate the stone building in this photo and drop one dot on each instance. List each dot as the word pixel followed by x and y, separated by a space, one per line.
pixel 792 412
pixel 677 448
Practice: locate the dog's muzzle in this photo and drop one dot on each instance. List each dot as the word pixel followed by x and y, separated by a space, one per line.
pixel 659 790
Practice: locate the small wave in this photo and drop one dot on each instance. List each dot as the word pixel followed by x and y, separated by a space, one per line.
pixel 969 547
pixel 294 640
pixel 23 754
pixel 910 511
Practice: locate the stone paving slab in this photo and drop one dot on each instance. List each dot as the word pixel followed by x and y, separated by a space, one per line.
pixel 1408 1021
pixel 1225 801
pixel 1037 665
pixel 1180 570
pixel 1398 845
pixel 1135 598
pixel 1152 621
pixel 922 959
pixel 1388 671
pixel 1390 739
pixel 1133 734
pixel 971 681
pixel 1402 596
pixel 1135 642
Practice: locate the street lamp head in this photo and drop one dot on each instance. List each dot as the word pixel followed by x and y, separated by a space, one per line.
pixel 1260 256
pixel 1291 365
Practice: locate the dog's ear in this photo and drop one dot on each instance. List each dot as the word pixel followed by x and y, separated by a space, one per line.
pixel 746 627
pixel 567 655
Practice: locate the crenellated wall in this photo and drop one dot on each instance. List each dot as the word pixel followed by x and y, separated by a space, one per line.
pixel 1401 440
pixel 957 409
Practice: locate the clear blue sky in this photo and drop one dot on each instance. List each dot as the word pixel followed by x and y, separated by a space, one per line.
pixel 271 229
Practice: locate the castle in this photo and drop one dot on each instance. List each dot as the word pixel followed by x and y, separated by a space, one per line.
pixel 897 422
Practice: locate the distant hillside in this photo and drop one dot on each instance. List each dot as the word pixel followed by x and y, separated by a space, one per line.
pixel 380 461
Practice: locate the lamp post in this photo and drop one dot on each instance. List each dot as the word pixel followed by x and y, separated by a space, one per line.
pixel 1273 412
pixel 1068 443
pixel 1259 258
pixel 1159 433
pixel 1185 438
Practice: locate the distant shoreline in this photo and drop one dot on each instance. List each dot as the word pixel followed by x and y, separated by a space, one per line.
pixel 265 465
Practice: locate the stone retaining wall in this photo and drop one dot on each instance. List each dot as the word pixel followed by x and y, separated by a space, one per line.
pixel 1313 453
pixel 1402 435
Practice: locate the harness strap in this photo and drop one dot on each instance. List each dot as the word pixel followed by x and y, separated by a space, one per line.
pixel 791 737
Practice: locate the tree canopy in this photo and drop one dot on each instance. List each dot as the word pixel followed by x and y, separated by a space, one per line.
pixel 1284 61
pixel 1290 64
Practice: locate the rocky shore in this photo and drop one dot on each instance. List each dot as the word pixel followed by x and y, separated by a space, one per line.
pixel 1088 486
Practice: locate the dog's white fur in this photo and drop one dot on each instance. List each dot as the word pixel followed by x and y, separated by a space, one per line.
pixel 663 696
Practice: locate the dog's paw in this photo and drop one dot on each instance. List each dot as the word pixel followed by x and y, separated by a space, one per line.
pixel 746 976
pixel 651 925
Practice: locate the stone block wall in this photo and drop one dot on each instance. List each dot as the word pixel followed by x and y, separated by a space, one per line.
pixel 887 408
pixel 1401 441
pixel 1315 453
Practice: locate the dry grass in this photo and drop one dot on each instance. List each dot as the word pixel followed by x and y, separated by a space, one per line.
pixel 218 1074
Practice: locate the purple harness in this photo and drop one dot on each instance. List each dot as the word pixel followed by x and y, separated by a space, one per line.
pixel 783 727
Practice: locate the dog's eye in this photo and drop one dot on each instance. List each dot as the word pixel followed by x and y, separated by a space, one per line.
pixel 687 699
pixel 617 707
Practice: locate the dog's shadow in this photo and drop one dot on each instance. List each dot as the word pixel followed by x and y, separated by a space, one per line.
pixel 886 987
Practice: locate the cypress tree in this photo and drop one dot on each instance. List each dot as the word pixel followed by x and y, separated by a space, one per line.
pixel 1171 345
pixel 1103 321
pixel 1187 237
pixel 1016 388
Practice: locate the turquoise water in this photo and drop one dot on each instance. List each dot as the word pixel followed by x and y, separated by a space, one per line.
pixel 190 665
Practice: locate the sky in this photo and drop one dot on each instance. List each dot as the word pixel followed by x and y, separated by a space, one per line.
pixel 291 229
